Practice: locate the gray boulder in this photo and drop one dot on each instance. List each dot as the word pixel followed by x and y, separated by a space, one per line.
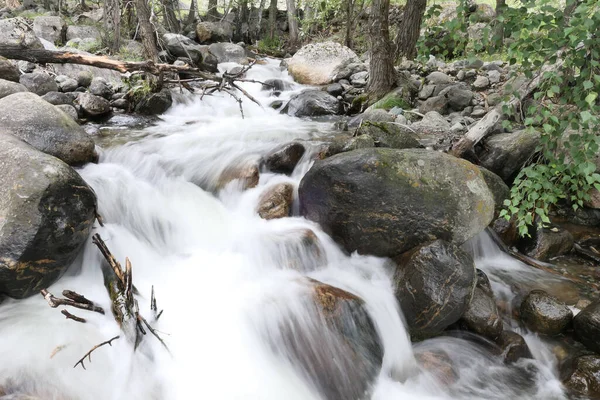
pixel 155 103
pixel 69 110
pixel 38 83
pixel 182 46
pixel 57 98
pixel 385 202
pixel 84 78
pixel 228 52
pixel 8 87
pixel 68 85
pixel 46 128
pixel 48 211
pixel 459 97
pixel 52 29
pixel 100 87
pixel 312 103
pixel 436 103
pixel 434 284
pixel 320 63
pixel 83 32
pixel 506 153
pixel 8 70
pixel 93 106
pixel 438 78
pixel 210 32
pixel 17 32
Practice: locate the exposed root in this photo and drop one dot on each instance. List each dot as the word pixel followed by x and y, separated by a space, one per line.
pixel 89 353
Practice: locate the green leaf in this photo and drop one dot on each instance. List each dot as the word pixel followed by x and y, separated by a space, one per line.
pixel 590 98
pixel 588 85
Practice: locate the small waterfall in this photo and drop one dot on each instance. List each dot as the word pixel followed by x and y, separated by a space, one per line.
pixel 240 317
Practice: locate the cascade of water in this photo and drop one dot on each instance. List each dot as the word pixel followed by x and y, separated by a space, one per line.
pixel 238 317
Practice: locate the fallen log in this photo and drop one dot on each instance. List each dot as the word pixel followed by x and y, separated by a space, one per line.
pixel 489 123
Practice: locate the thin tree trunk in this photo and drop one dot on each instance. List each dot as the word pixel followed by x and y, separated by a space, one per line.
pixel 191 18
pixel 382 77
pixel 498 25
pixel 212 12
pixel 272 18
pixel 112 25
pixel 170 18
pixel 146 31
pixel 349 13
pixel 261 9
pixel 241 18
pixel 292 23
pixel 410 29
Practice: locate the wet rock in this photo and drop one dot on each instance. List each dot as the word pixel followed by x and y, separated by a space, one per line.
pixel 434 284
pixel 506 153
pixel 8 70
pixel 93 106
pixel 17 32
pixel 320 63
pixel 483 283
pixel 69 110
pixel 155 103
pixel 182 46
pixel 246 174
pixel 228 52
pixel 388 134
pixel 544 313
pixel 513 347
pixel 586 326
pixel 38 83
pixel 499 189
pixel 8 87
pixel 312 103
pixel 481 316
pixel 52 29
pixel 438 78
pixel 100 87
pixel 276 202
pixel 438 363
pixel 46 128
pixel 48 212
pixel 335 345
pixel 546 243
pixel 57 98
pixel 210 32
pixel 355 197
pixel 582 376
pixel 276 85
pixel 284 159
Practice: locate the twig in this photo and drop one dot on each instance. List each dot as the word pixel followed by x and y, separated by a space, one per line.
pixel 153 331
pixel 69 294
pixel 89 353
pixel 153 306
pixel 114 264
pixel 56 302
pixel 248 95
pixel 73 317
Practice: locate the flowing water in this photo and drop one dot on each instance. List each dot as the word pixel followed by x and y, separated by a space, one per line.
pixel 232 285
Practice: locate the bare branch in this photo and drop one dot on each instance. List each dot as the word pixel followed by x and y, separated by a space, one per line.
pixel 89 353
pixel 73 317
pixel 56 302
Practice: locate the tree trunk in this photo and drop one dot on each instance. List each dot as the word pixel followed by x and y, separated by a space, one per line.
pixel 382 77
pixel 212 12
pixel 272 18
pixel 170 19
pixel 292 23
pixel 241 33
pixel 498 25
pixel 410 29
pixel 191 18
pixel 112 25
pixel 349 13
pixel 261 9
pixel 146 31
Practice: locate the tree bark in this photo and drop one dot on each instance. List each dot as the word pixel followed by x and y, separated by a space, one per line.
pixel 410 28
pixel 382 77
pixel 191 18
pixel 241 19
pixel 171 21
pixel 349 13
pixel 272 18
pixel 499 25
pixel 261 9
pixel 292 24
pixel 212 12
pixel 112 25
pixel 146 31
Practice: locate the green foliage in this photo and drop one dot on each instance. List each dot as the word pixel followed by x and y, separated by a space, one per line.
pixel 269 44
pixel 449 37
pixel 568 109
pixel 390 101
pixel 137 87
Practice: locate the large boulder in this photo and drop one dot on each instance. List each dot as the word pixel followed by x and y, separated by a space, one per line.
pixel 155 103
pixel 544 313
pixel 434 284
pixel 228 52
pixel 312 103
pixel 17 32
pixel 52 29
pixel 183 46
pixel 210 32
pixel 46 128
pixel 586 326
pixel 83 32
pixel 47 213
pixel 582 376
pixel 7 88
pixel 38 83
pixel 506 153
pixel 385 201
pixel 8 70
pixel 319 63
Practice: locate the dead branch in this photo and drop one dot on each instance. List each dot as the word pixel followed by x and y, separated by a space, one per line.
pixel 89 353
pixel 112 261
pixel 56 302
pixel 68 315
pixel 153 331
pixel 69 294
pixel 153 306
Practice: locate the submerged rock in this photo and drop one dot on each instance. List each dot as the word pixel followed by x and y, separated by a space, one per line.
pixel 46 128
pixel 544 313
pixel 276 202
pixel 385 202
pixel 434 284
pixel 284 159
pixel 438 363
pixel 47 213
pixel 586 326
pixel 319 63
pixel 246 174
pixel 513 346
pixel 312 103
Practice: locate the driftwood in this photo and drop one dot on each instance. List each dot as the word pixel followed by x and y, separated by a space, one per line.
pixel 73 300
pixel 489 123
